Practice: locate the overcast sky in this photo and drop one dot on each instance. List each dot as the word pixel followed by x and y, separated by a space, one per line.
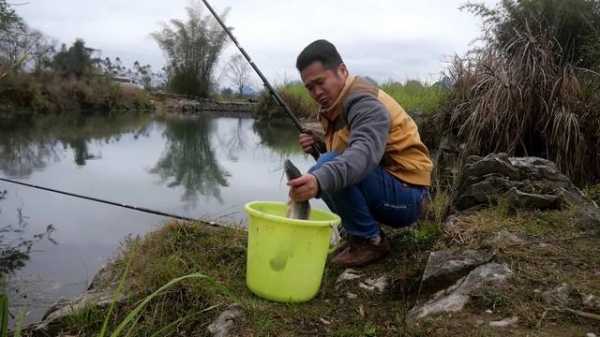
pixel 384 39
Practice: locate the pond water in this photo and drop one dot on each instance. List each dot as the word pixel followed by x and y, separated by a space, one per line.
pixel 204 168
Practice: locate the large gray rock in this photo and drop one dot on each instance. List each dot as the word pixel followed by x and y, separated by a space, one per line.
pixel 519 199
pixel 457 296
pixel 57 315
pixel 447 266
pixel 526 183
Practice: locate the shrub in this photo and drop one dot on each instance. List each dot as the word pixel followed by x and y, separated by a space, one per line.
pixel 416 96
pixel 49 92
pixel 295 96
pixel 531 90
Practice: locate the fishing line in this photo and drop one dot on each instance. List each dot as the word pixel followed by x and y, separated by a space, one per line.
pixel 108 202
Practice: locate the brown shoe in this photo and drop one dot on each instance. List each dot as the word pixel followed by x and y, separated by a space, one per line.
pixel 359 253
pixel 346 241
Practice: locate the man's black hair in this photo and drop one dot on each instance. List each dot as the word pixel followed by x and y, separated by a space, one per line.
pixel 319 51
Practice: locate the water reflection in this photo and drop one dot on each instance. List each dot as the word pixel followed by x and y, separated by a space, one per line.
pixel 23 152
pixel 234 141
pixel 280 137
pixel 16 243
pixel 29 146
pixel 228 162
pixel 80 151
pixel 189 160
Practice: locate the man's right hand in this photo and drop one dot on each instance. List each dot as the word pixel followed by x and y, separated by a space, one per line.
pixel 306 141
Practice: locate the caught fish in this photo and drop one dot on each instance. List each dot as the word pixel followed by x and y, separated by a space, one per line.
pixel 296 210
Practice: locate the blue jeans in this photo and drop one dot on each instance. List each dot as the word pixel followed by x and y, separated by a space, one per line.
pixel 378 198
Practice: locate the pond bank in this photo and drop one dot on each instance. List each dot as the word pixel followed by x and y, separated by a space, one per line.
pixel 170 104
pixel 494 270
pixel 195 167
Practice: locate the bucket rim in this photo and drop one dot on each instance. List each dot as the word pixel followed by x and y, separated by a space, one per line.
pixel 336 220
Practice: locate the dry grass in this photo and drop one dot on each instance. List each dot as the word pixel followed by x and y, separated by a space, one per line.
pixel 525 97
pixel 52 93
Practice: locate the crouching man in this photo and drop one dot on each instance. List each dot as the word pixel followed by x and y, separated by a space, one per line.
pixel 375 168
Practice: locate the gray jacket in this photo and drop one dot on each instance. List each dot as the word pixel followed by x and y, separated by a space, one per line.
pixel 369 123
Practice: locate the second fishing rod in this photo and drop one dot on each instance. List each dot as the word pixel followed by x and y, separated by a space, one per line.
pixel 315 150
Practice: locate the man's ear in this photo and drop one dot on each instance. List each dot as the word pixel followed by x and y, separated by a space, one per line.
pixel 342 70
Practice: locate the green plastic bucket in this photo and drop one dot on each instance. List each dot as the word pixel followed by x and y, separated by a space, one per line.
pixel 286 257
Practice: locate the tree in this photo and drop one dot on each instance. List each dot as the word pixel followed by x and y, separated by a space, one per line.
pixel 14 40
pixel 143 74
pixel 238 72
pixel 8 17
pixel 42 51
pixel 76 61
pixel 192 49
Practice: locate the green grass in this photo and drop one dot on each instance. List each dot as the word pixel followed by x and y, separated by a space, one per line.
pixel 413 96
pixel 3 315
pixel 295 96
pixel 416 96
pixel 184 305
pixel 593 192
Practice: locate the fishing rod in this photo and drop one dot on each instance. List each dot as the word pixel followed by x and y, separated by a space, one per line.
pixel 315 151
pixel 135 208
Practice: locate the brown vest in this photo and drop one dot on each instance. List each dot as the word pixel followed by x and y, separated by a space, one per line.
pixel 405 157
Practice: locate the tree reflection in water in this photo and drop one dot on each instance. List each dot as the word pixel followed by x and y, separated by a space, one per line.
pixel 20 156
pixel 15 245
pixel 280 136
pixel 189 160
pixel 27 146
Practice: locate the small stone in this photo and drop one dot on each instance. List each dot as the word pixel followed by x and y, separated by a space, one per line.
pixel 324 321
pixel 479 322
pixel 590 334
pixel 361 311
pixel 225 323
pixel 351 296
pixel 489 312
pixel 348 275
pixel 559 296
pixel 505 322
pixel 591 302
pixel 372 284
pixel 503 239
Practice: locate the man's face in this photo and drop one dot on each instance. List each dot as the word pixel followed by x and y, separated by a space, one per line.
pixel 324 85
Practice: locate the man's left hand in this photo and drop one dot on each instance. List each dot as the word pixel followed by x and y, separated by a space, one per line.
pixel 303 188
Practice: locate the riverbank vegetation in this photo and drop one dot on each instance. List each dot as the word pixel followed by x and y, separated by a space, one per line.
pixel 416 97
pixel 345 307
pixel 38 77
